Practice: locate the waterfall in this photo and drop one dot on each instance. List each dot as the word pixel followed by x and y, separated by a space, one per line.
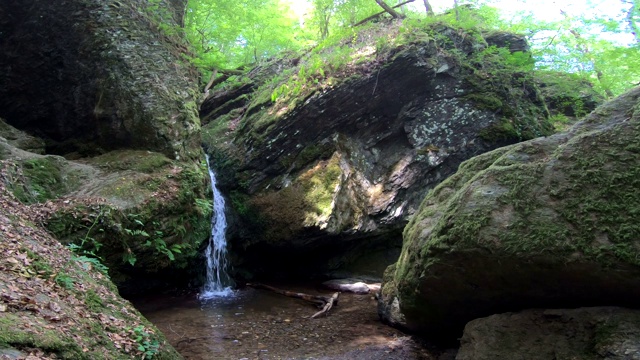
pixel 218 281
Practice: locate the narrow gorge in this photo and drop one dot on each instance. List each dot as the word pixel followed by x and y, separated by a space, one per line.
pixel 462 202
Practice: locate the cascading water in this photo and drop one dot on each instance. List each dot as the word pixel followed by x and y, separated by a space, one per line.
pixel 218 281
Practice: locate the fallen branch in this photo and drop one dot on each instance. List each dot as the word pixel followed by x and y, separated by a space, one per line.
pixel 377 15
pixel 211 80
pixel 332 300
pixel 215 80
pixel 326 302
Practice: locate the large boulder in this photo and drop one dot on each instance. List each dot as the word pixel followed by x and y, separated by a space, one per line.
pixel 91 76
pixel 550 222
pixel 335 152
pixel 596 333
pixel 58 305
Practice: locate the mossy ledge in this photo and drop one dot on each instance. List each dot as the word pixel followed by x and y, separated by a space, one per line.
pixel 145 216
pixel 56 304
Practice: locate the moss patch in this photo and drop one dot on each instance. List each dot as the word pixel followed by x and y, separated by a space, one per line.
pixel 139 161
pixel 307 202
pixel 43 180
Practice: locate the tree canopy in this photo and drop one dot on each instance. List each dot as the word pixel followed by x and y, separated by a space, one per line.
pixel 600 47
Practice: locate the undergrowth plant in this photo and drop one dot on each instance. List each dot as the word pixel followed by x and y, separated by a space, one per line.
pixel 148 346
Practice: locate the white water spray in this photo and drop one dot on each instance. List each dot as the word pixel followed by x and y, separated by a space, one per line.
pixel 218 281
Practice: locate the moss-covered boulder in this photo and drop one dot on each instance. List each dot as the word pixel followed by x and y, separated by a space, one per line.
pixel 59 305
pixel 91 76
pixel 550 222
pixel 337 149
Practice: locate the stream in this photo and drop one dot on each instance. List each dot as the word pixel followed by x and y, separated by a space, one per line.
pixel 221 323
pixel 258 324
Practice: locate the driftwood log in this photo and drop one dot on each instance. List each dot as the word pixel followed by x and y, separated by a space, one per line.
pixel 323 302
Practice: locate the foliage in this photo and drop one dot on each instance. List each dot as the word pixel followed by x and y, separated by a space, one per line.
pixel 330 17
pixel 228 34
pixel 147 345
pixel 598 49
pixel 162 17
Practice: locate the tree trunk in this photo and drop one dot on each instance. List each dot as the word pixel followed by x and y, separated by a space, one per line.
pixel 389 9
pixel 455 6
pixel 584 49
pixel 428 7
pixel 633 15
pixel 380 13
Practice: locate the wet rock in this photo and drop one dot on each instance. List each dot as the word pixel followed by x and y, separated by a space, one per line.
pixel 586 333
pixel 548 222
pixel 20 139
pixel 351 285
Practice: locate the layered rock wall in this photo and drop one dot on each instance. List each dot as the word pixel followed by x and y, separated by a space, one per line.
pixel 351 157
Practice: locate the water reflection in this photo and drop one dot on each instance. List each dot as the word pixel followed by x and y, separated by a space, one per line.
pixel 258 324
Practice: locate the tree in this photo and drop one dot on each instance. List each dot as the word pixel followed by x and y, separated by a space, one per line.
pixel 428 7
pixel 633 17
pixel 229 34
pixel 322 13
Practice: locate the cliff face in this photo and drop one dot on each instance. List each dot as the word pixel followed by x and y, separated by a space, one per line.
pixel 550 222
pixel 91 76
pixel 105 84
pixel 343 156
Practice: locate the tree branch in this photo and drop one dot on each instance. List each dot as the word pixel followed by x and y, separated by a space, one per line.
pixel 374 16
pixel 326 302
pixel 389 9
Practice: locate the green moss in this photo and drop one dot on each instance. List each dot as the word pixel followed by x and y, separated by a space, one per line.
pixel 218 130
pixel 141 161
pixel 15 335
pixel 500 132
pixel 311 153
pixel 281 213
pixel 306 202
pixel 39 265
pixel 144 235
pixel 600 197
pixel 319 184
pixel 43 180
pixel 93 302
pixel 487 101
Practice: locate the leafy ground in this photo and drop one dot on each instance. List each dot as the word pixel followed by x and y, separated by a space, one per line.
pixel 54 304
